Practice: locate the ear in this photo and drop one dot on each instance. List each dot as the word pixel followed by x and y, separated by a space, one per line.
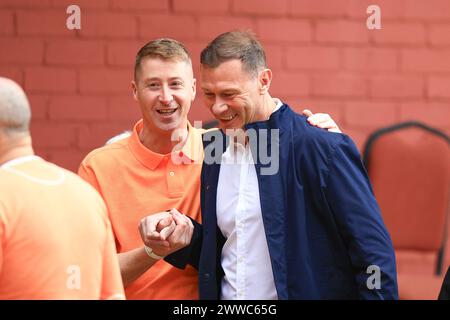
pixel 265 78
pixel 194 89
pixel 134 89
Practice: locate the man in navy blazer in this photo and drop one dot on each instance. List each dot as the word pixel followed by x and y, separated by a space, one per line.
pixel 288 211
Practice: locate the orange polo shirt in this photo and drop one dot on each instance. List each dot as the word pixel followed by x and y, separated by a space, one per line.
pixel 56 239
pixel 135 182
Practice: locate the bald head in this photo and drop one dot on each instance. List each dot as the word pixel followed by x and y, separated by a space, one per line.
pixel 15 111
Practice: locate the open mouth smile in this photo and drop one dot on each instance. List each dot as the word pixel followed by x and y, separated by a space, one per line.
pixel 167 112
pixel 228 118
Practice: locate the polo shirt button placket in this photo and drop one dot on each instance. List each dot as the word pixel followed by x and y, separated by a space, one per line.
pixel 174 177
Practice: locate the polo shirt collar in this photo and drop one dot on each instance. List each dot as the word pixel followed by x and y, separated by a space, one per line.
pixel 191 151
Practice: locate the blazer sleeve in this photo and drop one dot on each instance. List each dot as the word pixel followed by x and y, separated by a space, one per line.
pixel 350 198
pixel 191 253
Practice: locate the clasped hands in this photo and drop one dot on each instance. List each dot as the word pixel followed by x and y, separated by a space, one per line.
pixel 166 232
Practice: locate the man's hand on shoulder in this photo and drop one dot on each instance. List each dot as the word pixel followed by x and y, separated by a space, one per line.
pixel 321 120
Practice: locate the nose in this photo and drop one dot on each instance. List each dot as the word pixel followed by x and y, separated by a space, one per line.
pixel 166 96
pixel 219 107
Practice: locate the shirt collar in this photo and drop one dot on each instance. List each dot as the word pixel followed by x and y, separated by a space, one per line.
pixel 279 104
pixel 19 160
pixel 192 150
pixel 273 117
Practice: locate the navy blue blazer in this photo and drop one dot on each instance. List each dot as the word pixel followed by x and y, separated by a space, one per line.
pixel 324 230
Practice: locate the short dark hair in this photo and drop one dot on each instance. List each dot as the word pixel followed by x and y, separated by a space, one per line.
pixel 165 49
pixel 240 45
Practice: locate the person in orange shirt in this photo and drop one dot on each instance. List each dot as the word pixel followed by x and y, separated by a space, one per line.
pixel 56 239
pixel 156 169
pixel 137 177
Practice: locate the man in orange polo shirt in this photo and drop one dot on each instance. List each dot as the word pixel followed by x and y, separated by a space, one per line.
pixel 155 169
pixel 137 177
pixel 55 238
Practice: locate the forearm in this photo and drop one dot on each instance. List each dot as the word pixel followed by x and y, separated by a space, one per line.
pixel 133 264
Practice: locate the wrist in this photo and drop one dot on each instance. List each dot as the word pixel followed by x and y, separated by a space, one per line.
pixel 151 254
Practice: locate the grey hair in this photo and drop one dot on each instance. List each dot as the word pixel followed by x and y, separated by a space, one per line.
pixel 240 45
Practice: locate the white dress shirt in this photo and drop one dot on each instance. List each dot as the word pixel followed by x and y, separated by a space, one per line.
pixel 245 254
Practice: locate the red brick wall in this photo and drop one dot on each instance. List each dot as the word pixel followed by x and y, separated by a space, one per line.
pixel 321 52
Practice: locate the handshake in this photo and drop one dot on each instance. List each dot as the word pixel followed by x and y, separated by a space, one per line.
pixel 166 232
